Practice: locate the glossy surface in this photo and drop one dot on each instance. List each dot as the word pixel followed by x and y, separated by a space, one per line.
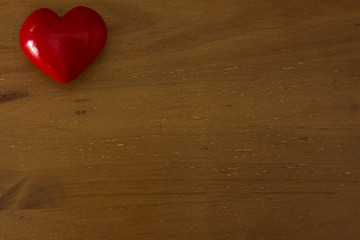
pixel 63 47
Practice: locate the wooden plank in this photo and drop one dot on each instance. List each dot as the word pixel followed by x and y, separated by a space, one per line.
pixel 200 120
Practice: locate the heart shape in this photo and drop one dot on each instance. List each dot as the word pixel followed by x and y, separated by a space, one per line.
pixel 63 47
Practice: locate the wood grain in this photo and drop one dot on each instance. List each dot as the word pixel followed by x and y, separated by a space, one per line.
pixel 200 120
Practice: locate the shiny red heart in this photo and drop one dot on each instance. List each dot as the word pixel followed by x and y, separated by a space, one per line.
pixel 63 47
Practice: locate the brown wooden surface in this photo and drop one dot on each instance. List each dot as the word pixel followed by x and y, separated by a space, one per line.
pixel 200 120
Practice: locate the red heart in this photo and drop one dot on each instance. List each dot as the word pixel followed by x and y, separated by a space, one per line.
pixel 63 47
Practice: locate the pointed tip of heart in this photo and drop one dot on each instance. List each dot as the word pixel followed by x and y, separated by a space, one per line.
pixel 65 77
pixel 64 80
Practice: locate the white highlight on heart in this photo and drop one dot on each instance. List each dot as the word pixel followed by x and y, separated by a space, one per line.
pixel 33 48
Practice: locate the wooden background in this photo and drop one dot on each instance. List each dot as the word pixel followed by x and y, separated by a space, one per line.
pixel 200 120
